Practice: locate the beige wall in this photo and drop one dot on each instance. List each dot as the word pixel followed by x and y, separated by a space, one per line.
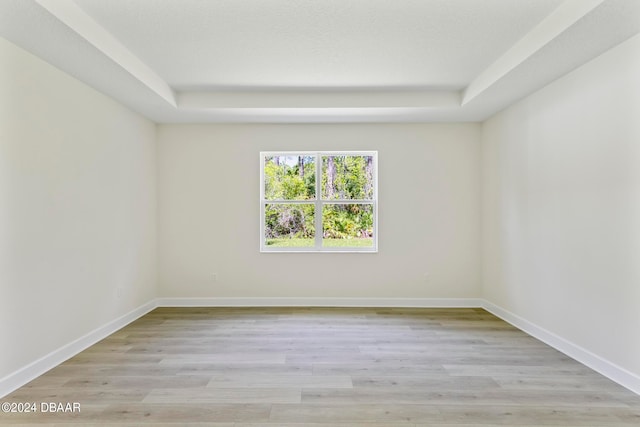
pixel 208 180
pixel 77 209
pixel 561 207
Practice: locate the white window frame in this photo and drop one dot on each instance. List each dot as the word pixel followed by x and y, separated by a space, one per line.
pixel 319 202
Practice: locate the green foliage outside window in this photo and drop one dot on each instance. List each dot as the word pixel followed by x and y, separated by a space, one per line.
pixel 294 178
pixel 285 180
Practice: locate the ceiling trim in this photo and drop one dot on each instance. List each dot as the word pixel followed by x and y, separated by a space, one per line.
pixel 561 19
pixel 301 98
pixel 68 12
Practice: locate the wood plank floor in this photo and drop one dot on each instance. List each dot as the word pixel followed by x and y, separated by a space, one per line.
pixel 321 367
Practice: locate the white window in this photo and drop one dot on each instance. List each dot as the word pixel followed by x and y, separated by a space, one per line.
pixel 319 201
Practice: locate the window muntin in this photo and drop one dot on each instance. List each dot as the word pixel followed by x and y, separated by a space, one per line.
pixel 343 219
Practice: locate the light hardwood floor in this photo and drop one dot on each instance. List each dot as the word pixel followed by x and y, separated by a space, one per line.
pixel 321 367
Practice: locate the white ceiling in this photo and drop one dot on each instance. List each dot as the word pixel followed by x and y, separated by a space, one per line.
pixel 317 61
pixel 310 44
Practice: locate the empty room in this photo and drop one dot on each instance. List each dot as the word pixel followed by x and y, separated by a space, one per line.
pixel 329 213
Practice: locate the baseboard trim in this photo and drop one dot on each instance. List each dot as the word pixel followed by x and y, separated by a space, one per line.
pixel 320 302
pixel 610 370
pixel 33 370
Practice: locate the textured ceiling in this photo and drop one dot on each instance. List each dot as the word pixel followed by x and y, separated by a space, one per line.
pixel 317 61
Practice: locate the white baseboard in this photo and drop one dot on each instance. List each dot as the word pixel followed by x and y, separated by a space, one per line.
pixel 318 302
pixel 33 370
pixel 608 369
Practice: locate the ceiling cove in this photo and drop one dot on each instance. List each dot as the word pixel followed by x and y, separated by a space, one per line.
pixel 304 61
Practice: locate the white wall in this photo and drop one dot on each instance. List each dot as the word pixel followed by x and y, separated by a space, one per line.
pixel 77 209
pixel 561 207
pixel 208 180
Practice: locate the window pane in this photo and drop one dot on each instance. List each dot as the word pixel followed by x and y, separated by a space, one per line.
pixel 289 225
pixel 347 177
pixel 289 178
pixel 347 225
